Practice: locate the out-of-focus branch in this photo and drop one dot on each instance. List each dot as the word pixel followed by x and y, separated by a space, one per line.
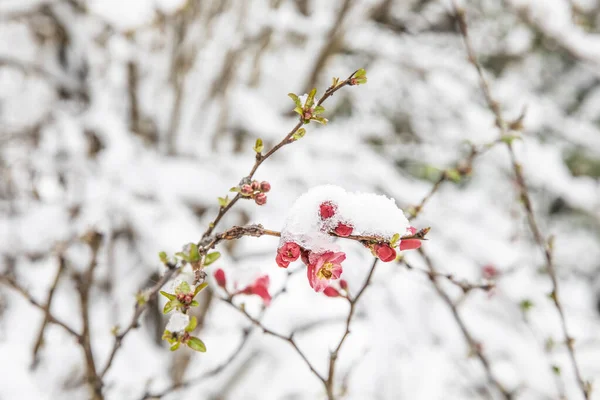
pixel 51 318
pixel 286 338
pixel 329 384
pixel 40 338
pixel 475 347
pixel 544 244
pixel 84 285
pixel 260 158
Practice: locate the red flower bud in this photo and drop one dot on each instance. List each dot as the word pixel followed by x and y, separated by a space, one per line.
pixel 344 284
pixel 261 199
pixel 289 252
pixel 255 185
pixel 326 210
pixel 385 252
pixel 247 190
pixel 331 292
pixel 344 230
pixel 220 278
pixel 265 186
pixel 188 298
pixel 489 271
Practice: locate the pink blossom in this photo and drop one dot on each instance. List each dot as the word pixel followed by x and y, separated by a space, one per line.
pixel 331 292
pixel 220 277
pixel 343 284
pixel 344 230
pixel 323 268
pixel 260 287
pixel 281 262
pixel 290 252
pixel 327 210
pixel 385 252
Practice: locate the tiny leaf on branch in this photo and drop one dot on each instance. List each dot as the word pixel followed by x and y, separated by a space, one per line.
pixel 258 146
pixel 196 344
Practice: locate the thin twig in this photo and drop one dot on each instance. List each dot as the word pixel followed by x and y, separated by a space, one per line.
pixel 289 339
pixel 334 354
pixel 463 285
pixel 524 193
pixel 475 347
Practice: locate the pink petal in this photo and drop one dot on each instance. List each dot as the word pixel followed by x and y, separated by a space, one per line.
pixel 263 293
pixel 409 244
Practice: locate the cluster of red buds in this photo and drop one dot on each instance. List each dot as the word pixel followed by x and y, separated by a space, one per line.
pixel 256 190
pixel 185 298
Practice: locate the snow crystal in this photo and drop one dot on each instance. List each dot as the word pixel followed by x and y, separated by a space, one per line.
pixel 178 322
pixel 369 214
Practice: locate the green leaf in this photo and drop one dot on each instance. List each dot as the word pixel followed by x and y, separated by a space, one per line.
pixel 168 295
pixel 310 100
pixel 211 258
pixel 175 346
pixel 194 303
pixel 192 325
pixel 194 255
pixel 199 288
pixel 235 189
pixel 320 120
pixel 258 146
pixel 298 110
pixel 163 257
pixel 299 134
pixel 319 110
pixel 361 81
pixel 224 201
pixel 556 369
pixel 183 287
pixel 394 240
pixel 360 73
pixel 170 306
pixel 196 344
pixel 183 256
pixel 296 99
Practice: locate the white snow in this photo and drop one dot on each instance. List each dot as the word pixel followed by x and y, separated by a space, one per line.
pixel 178 322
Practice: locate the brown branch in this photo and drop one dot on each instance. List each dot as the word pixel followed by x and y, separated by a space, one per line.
pixel 524 193
pixel 260 158
pixel 51 318
pixel 40 338
pixel 334 354
pixel 475 346
pixel 289 339
pixel 84 285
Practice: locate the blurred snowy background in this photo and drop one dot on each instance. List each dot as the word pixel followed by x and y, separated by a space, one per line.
pixel 131 117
